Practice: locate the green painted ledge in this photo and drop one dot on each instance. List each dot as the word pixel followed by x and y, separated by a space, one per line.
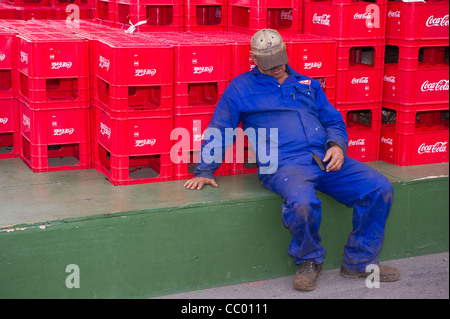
pixel 147 240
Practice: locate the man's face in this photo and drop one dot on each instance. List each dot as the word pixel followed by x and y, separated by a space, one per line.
pixel 278 72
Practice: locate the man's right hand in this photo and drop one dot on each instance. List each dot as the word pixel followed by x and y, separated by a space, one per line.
pixel 199 182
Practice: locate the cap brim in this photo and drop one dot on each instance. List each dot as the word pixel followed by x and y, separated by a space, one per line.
pixel 271 61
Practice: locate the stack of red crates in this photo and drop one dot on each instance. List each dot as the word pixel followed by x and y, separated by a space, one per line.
pixel 359 30
pixel 53 74
pixel 201 75
pixel 249 16
pixel 416 83
pixel 132 108
pixel 9 112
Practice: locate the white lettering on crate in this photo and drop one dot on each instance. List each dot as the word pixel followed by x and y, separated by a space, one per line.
pixel 203 69
pixel 437 22
pixel 323 19
pixel 390 79
pixel 2 57
pixel 388 141
pixel 363 80
pixel 23 57
pixel 141 143
pixel 104 63
pixel 25 120
pixel 142 72
pixel 311 65
pixel 63 131
pixel 441 85
pixel 361 141
pixel 3 120
pixel 105 130
pixel 59 65
pixel 286 15
pixel 393 14
pixel 362 16
pixel 439 147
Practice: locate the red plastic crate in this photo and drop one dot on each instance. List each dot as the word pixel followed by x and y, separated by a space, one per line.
pixel 205 15
pixel 312 56
pixel 417 20
pixel 192 124
pixel 124 144
pixel 249 16
pixel 359 85
pixel 423 86
pixel 425 143
pixel 9 128
pixel 48 135
pixel 354 20
pixel 161 15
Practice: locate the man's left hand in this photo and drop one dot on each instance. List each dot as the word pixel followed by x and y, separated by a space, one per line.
pixel 336 157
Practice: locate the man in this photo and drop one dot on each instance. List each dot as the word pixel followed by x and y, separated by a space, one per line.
pixel 311 140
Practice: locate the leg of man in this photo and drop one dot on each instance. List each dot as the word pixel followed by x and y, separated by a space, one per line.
pixel 370 194
pixel 301 211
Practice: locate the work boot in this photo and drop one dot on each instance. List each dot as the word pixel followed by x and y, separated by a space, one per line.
pixel 306 276
pixel 387 274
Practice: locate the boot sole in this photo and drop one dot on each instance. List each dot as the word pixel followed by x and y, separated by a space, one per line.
pixel 346 273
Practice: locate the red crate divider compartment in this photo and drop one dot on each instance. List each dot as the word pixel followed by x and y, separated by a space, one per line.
pixel 205 15
pixel 354 20
pixel 104 12
pixel 249 16
pixel 160 15
pixel 425 143
pixel 417 20
pixel 127 146
pixel 8 64
pixel 9 128
pixel 50 135
pixel 363 127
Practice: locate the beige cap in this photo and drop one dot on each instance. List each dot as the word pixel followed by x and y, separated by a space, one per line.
pixel 269 49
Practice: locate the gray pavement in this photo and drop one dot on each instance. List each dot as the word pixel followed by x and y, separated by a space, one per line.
pixel 423 277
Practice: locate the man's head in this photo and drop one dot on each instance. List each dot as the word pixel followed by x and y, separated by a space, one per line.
pixel 269 51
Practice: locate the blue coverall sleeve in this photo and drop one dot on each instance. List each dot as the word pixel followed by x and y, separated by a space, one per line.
pixel 217 136
pixel 332 121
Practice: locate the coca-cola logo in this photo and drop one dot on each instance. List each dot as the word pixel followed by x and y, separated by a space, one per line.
pixel 142 72
pixel 390 79
pixel 25 120
pixel 104 63
pixel 2 57
pixel 388 141
pixel 105 130
pixel 393 14
pixel 23 57
pixel 286 15
pixel 60 65
pixel 437 22
pixel 63 131
pixel 360 141
pixel 363 80
pixel 441 85
pixel 141 143
pixel 203 69
pixel 3 120
pixel 311 65
pixel 438 147
pixel 362 16
pixel 323 19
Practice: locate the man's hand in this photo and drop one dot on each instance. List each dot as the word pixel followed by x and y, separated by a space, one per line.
pixel 199 182
pixel 336 155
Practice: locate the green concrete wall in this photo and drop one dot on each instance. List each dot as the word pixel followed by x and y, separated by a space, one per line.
pixel 145 253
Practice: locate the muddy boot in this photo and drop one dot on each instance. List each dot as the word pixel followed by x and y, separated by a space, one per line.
pixel 306 276
pixel 387 274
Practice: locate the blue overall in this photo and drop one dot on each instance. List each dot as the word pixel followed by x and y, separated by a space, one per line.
pixel 305 124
